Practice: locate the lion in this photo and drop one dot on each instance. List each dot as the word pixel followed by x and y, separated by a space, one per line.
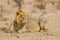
pixel 23 20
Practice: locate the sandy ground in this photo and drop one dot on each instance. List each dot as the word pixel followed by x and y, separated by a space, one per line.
pixel 30 36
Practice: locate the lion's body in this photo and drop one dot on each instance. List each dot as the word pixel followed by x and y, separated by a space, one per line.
pixel 33 26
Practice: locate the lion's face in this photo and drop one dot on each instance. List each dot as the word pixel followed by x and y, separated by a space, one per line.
pixel 22 14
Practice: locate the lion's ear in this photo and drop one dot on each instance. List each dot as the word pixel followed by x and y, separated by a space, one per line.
pixel 17 13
